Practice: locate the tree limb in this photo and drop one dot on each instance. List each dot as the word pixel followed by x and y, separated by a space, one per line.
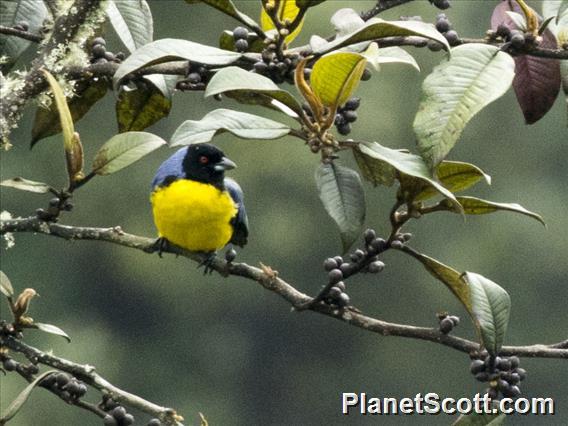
pixel 269 279
pixel 64 31
pixel 20 33
pixel 87 374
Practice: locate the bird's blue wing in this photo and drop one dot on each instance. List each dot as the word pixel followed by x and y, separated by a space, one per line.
pixel 240 222
pixel 170 169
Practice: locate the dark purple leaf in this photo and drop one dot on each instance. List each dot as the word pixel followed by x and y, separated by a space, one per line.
pixel 537 80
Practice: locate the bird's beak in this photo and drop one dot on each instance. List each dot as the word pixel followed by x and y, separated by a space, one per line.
pixel 224 164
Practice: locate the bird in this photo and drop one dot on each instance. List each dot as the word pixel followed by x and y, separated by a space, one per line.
pixel 195 206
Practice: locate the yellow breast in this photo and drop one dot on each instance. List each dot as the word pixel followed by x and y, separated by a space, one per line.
pixel 193 215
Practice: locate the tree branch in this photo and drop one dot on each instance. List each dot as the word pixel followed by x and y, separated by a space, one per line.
pixel 269 279
pixel 87 374
pixel 64 31
pixel 20 33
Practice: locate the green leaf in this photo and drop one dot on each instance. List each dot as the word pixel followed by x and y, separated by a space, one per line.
pixel 336 76
pixel 455 176
pixel 472 205
pixel 139 108
pixel 389 55
pixel 243 125
pixel 12 12
pixel 413 172
pixel 475 75
pixel 475 419
pixel 375 171
pixel 17 403
pixel 168 50
pixel 51 329
pixel 132 22
pixel 250 88
pixel 491 306
pixel 228 7
pixel 377 28
pixel 27 185
pixel 124 149
pixel 5 285
pixel 449 276
pixel 65 118
pixel 341 192
pixel 47 123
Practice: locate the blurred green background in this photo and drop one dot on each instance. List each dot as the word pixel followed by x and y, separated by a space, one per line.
pixel 235 352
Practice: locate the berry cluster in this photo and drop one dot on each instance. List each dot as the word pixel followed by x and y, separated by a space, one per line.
pixel 56 205
pixel 444 25
pixel 278 68
pixel 117 414
pixel 362 260
pixel 447 322
pixel 196 79
pixel 100 55
pixel 346 115
pixel 336 294
pixel 503 375
pixel 441 4
pixel 240 35
pixel 515 37
pixel 22 26
pixel 71 387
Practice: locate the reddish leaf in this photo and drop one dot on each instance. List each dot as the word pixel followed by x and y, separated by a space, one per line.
pixel 537 80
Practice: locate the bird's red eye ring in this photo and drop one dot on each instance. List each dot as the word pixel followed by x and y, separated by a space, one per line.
pixel 203 159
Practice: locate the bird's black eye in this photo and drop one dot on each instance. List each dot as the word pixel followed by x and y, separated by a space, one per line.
pixel 203 159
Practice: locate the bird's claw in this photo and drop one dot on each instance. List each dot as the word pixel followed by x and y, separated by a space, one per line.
pixel 208 263
pixel 160 246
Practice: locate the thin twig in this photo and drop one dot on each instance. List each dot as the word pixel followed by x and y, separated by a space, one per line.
pixel 26 35
pixel 276 285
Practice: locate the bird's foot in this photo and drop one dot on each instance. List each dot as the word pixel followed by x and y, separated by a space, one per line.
pixel 208 263
pixel 160 245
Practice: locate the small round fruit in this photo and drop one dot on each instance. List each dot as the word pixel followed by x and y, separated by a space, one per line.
pixel 446 325
pixel 98 51
pixel 240 33
pixel 329 264
pixel 194 78
pixel 109 420
pixel 353 104
pixel 443 25
pixel 376 266
pixel 241 45
pixel 343 300
pixel 452 37
pixel 335 276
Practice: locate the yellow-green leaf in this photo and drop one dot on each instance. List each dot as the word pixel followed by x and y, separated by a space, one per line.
pixel 287 11
pixel 336 76
pixel 64 113
pixel 455 176
pixel 473 205
pixel 449 276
